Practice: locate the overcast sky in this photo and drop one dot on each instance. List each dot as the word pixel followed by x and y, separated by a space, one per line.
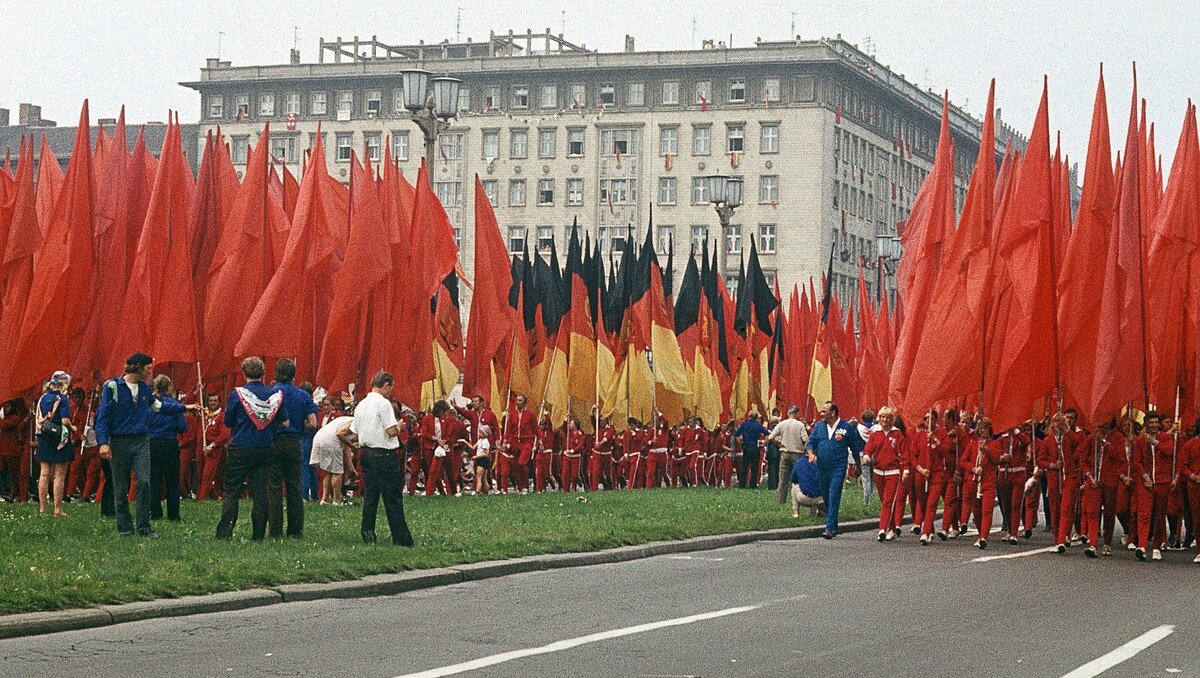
pixel 135 52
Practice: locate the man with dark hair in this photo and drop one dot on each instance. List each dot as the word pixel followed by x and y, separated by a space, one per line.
pixel 750 432
pixel 124 438
pixel 378 433
pixel 830 445
pixel 252 413
pixel 301 413
pixel 1153 473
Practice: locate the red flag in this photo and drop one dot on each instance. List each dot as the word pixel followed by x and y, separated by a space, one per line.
pixel 22 243
pixel 160 283
pixel 62 275
pixel 929 229
pixel 216 186
pixel 1081 276
pixel 1024 319
pixel 49 184
pixel 301 290
pixel 491 323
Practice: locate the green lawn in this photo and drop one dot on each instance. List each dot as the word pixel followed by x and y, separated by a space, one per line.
pixel 52 563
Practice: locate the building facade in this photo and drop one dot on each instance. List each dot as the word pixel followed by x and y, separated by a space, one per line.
pixel 832 146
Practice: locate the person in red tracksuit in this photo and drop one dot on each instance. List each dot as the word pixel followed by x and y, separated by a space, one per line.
pixel 1174 493
pixel 519 435
pixel 986 454
pixel 1053 458
pixel 938 461
pixel 621 456
pixel 1072 480
pixel 658 440
pixel 914 485
pixel 692 444
pixel 543 452
pixel 12 423
pixel 884 450
pixel 422 460
pixel 600 464
pixel 188 475
pixel 639 452
pixel 435 435
pixel 1189 477
pixel 1153 454
pixel 454 429
pixel 1011 478
pixel 1100 456
pixel 572 457
pixel 217 435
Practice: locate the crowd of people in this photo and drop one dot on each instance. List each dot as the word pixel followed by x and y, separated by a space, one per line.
pixel 139 441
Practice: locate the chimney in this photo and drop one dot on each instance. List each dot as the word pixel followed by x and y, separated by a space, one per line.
pixel 629 44
pixel 30 115
pixel 3 117
pixel 295 57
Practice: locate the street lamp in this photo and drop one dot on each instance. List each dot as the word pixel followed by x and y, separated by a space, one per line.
pixel 888 251
pixel 430 110
pixel 725 194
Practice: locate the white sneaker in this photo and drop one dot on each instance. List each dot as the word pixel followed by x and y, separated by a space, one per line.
pixel 1131 546
pixel 953 533
pixel 1156 555
pixel 1196 560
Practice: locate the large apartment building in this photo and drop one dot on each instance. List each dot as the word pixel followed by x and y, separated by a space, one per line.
pixel 831 145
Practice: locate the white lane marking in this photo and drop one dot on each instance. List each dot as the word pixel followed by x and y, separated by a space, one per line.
pixel 1018 554
pixel 1123 653
pixel 711 560
pixel 561 645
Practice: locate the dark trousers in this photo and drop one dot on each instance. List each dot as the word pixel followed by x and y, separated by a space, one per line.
pixel 748 473
pixel 107 507
pixel 772 466
pixel 382 471
pixel 131 453
pixel 240 462
pixel 164 469
pixel 284 474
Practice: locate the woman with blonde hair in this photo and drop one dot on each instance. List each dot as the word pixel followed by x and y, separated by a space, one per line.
pixel 55 446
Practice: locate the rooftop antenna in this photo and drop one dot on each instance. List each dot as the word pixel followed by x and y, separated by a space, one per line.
pixel 869 44
pixel 458 26
pixel 793 33
pixel 693 32
pixel 220 34
pixel 295 36
pixel 564 22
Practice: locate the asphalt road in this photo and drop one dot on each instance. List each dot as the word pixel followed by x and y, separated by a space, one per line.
pixel 851 606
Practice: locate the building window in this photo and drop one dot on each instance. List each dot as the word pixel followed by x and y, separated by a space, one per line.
pixel 666 190
pixel 771 89
pixel 701 140
pixel 768 189
pixel 699 191
pixel 731 285
pixel 491 98
pixel 614 141
pixel 449 193
pixel 491 144
pixel 374 102
pixel 516 239
pixel 766 238
pixel 398 101
pixel 216 107
pixel 291 103
pixel 373 140
pixel 516 193
pixel 242 106
pixel 345 146
pixel 318 103
pixel 451 145
pixel 737 90
pixel 312 139
pixel 733 239
pixel 736 138
pixel 612 238
pixel 545 238
pixel 345 102
pixel 637 94
pixel 490 188
pixel 769 139
pixel 618 191
pixel 668 140
pixel 574 191
pixel 283 149
pixel 665 240
pixel 520 96
pixel 575 143
pixel 608 94
pixel 547 143
pixel 266 105
pixel 464 99
pixel 549 98
pixel 400 145
pixel 699 237
pixel 703 92
pixel 578 96
pixel 239 149
pixel 670 93
pixel 518 143
pixel 545 195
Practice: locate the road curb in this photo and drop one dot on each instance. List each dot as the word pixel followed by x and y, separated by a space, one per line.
pixel 38 623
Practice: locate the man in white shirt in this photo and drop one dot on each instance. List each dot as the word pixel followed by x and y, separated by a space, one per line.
pixel 378 434
pixel 792 435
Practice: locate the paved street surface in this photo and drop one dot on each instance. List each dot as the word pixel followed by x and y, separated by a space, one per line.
pixel 847 607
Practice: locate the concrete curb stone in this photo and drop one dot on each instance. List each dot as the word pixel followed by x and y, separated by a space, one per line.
pixel 490 569
pixel 37 623
pixel 177 607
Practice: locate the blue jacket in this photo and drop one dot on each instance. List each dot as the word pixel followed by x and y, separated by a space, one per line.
pixel 243 432
pixel 750 431
pixel 119 414
pixel 833 446
pixel 166 426
pixel 297 405
pixel 804 474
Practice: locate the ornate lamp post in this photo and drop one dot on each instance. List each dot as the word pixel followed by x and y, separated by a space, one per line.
pixel 431 108
pixel 725 194
pixel 888 253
